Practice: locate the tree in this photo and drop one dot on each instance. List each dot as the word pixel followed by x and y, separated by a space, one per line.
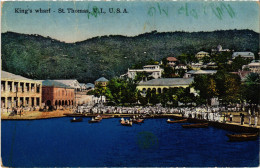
pixel 206 85
pixel 251 90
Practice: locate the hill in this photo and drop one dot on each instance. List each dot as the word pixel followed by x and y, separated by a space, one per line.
pixel 39 57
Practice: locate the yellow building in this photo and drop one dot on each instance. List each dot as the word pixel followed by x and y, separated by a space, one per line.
pixel 164 83
pixel 102 81
pixel 17 91
pixel 200 55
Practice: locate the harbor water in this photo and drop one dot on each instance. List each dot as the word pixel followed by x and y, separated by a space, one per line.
pixel 58 142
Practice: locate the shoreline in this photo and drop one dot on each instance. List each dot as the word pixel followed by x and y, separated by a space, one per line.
pixel 231 126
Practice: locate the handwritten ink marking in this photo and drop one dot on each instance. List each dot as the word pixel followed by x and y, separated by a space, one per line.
pixel 147 140
pixel 188 12
pixel 153 10
pixel 219 10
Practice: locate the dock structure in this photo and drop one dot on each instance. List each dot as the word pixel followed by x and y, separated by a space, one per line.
pixel 18 91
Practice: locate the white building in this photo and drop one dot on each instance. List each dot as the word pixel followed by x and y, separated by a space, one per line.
pixel 219 49
pixel 193 73
pixel 249 55
pixel 153 70
pixel 253 67
pixel 202 54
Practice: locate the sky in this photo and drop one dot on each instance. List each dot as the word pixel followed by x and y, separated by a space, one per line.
pixel 141 17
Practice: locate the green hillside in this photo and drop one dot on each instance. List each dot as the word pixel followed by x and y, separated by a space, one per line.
pixel 39 57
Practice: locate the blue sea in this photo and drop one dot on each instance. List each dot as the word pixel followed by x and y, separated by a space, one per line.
pixel 154 143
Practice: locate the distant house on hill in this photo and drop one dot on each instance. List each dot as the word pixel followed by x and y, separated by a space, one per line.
pixel 219 49
pixel 103 81
pixel 172 61
pixel 253 67
pixel 193 73
pixel 248 55
pixel 200 55
pixel 153 70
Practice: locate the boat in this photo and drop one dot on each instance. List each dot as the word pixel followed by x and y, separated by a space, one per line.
pixel 94 120
pixel 177 121
pixel 126 123
pixel 137 121
pixel 242 137
pixel 76 120
pixel 200 125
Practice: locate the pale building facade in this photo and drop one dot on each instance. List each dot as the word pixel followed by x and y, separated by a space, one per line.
pixel 153 70
pixel 18 91
pixel 160 85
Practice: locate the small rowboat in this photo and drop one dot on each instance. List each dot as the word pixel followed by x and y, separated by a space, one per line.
pixel 76 120
pixel 127 123
pixel 200 125
pixel 242 137
pixel 177 121
pixel 136 121
pixel 94 120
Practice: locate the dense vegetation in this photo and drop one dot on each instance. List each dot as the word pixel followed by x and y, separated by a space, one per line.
pixel 39 57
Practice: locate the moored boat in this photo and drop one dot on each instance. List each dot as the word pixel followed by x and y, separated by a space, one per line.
pixel 177 121
pixel 126 122
pixel 94 120
pixel 242 137
pixel 137 121
pixel 76 120
pixel 200 125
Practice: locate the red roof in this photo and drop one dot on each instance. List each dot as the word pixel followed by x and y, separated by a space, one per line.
pixel 172 59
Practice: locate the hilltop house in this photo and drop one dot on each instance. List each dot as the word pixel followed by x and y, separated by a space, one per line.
pixel 153 70
pixel 193 73
pixel 200 55
pixel 248 55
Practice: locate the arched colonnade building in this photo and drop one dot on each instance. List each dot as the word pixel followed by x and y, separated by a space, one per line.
pixel 162 84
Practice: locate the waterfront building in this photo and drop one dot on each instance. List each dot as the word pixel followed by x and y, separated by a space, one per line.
pixel 254 66
pixel 90 86
pixel 70 82
pixel 193 73
pixel 153 70
pixel 57 94
pixel 200 55
pixel 18 91
pixel 102 81
pixel 164 83
pixel 83 86
pixel 248 55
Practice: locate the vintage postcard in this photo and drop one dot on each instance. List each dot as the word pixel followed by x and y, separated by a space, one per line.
pixel 130 84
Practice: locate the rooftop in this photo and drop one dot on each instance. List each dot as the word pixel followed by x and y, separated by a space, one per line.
pixel 55 84
pixel 167 82
pixel 202 71
pixel 173 59
pixel 8 75
pixel 102 79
